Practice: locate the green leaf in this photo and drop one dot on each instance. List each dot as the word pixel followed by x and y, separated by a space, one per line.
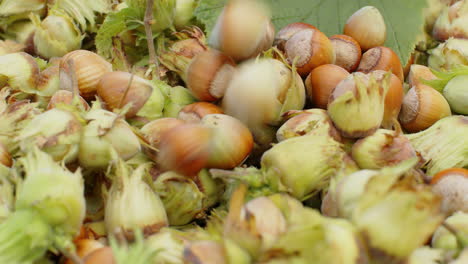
pixel 404 19
pixel 114 24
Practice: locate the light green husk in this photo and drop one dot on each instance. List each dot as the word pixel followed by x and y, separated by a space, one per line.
pixel 14 11
pixel 448 241
pixel 138 252
pixel 7 189
pixel 56 35
pixel 180 196
pixel 47 215
pixel 106 132
pixel 303 166
pixel 176 98
pixel 444 145
pixel 382 148
pixel 169 245
pixel 456 93
pixel 306 122
pixel 184 12
pixel 396 217
pixel 56 131
pixel 20 70
pixel 300 166
pixel 83 11
pixel 311 236
pixel 61 204
pixel 153 107
pixel 15 7
pixel 14 117
pixel 131 203
pixel 452 26
pixel 426 255
pixel 449 54
pixel 359 110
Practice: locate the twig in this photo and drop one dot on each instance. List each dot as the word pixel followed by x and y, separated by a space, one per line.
pixel 126 90
pixel 149 36
pixel 74 82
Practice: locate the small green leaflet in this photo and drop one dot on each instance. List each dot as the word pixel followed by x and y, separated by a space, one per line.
pixel 404 18
pixel 445 77
pixel 114 24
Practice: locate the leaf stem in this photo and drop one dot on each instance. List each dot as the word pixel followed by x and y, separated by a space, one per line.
pixel 149 36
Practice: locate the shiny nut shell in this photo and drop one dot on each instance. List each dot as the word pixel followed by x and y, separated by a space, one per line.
pixel 321 82
pixel 347 50
pixel 367 27
pixel 422 107
pixel 185 149
pixel 113 86
pixel 288 31
pixel 196 111
pixel 308 49
pixel 381 58
pixel 208 75
pixel 88 70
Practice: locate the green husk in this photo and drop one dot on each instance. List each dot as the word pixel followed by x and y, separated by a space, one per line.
pixel 131 203
pixel 253 226
pixel 447 25
pixel 83 11
pixel 311 236
pixel 178 56
pixel 303 166
pixel 305 122
pixel 25 237
pixel 445 239
pixel 176 98
pixel 138 252
pixel 56 35
pixel 169 245
pixel 61 204
pixel 13 11
pixel 20 31
pixel 449 54
pixel 357 104
pixel 106 132
pixel 21 71
pixel 444 76
pixel 153 107
pixel 382 148
pixel 396 217
pixel 300 166
pixel 14 7
pixel 47 215
pixel 181 197
pixel 7 197
pixel 444 145
pixel 14 117
pixel 184 12
pixel 56 131
pixel 456 93
pixel 426 255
